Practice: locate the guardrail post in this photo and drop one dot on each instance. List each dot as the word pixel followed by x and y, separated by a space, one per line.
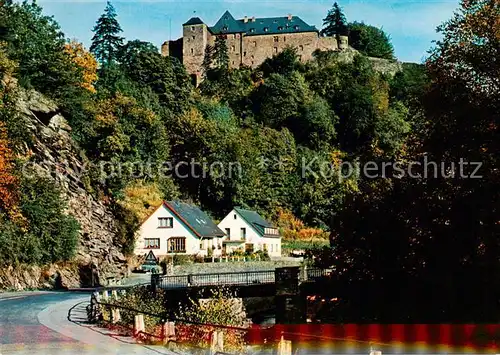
pixel 284 347
pixel 217 342
pixel 115 315
pixel 138 324
pixel 168 332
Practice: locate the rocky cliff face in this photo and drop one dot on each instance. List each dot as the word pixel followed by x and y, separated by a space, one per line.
pixel 55 155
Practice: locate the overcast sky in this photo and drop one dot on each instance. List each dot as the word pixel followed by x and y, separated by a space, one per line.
pixel 410 23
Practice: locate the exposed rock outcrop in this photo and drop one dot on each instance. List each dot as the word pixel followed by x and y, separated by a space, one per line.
pixel 55 155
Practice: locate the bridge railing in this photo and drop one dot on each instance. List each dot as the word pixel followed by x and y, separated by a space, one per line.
pixel 220 279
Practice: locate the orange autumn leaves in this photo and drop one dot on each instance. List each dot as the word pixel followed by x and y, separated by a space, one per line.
pixel 85 61
pixel 294 229
pixel 9 184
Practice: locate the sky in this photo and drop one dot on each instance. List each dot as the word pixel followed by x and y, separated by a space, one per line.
pixel 411 24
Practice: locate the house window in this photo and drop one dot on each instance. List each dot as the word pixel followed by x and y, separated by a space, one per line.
pixel 235 216
pixel 275 49
pixel 249 248
pixel 277 248
pixel 228 232
pixel 276 39
pixel 271 248
pixel 152 243
pixel 165 222
pixel 243 233
pixel 177 245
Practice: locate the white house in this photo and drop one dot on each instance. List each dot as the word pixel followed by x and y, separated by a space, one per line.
pixel 247 230
pixel 179 228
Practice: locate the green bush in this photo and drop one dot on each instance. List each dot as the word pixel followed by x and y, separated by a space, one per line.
pixel 49 235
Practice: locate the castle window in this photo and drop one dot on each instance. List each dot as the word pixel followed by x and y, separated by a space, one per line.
pixel 255 43
pixel 244 54
pixel 301 47
pixel 233 48
pixel 192 50
pixel 276 39
pixel 233 62
pixel 193 37
pixel 284 38
pixel 192 28
pixel 275 49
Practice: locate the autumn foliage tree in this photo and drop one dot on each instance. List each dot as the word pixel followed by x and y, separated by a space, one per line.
pixel 9 189
pixel 85 62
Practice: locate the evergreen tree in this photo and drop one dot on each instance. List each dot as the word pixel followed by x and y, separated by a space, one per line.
pixel 221 56
pixel 106 42
pixel 335 22
pixel 208 59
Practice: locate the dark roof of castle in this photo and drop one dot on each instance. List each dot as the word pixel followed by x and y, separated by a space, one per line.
pixel 227 24
pixel 193 21
pixel 261 26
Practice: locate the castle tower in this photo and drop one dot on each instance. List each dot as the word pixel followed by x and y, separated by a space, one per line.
pixel 195 40
pixel 343 42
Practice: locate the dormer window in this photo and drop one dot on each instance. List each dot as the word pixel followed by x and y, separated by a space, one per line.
pixel 296 28
pixel 252 30
pixel 224 28
pixel 266 29
pixel 280 28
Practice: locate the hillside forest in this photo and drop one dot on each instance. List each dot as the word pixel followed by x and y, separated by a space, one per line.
pixel 282 123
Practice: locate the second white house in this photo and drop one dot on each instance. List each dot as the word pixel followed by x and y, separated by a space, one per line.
pixel 247 230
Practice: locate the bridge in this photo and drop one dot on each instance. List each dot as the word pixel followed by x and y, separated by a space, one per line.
pixel 288 286
pixel 247 278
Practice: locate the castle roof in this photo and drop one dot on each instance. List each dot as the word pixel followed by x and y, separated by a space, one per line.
pixel 193 21
pixel 227 24
pixel 261 26
pixel 276 25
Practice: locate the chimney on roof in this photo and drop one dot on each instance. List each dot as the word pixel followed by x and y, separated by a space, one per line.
pixel 253 19
pixel 290 17
pixel 245 20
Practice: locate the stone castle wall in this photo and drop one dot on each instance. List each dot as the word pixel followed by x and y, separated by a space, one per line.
pixel 248 50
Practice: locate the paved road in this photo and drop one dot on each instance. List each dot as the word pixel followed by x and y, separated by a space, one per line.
pixel 51 324
pixel 20 330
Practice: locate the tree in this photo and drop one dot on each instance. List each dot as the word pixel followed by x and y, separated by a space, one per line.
pixel 208 59
pixel 283 63
pixel 106 42
pixel 86 62
pixel 38 48
pixel 128 52
pixel 434 240
pixel 221 56
pixel 370 40
pixel 9 185
pixel 335 23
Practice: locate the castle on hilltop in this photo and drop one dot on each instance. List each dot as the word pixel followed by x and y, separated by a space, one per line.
pixel 249 40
